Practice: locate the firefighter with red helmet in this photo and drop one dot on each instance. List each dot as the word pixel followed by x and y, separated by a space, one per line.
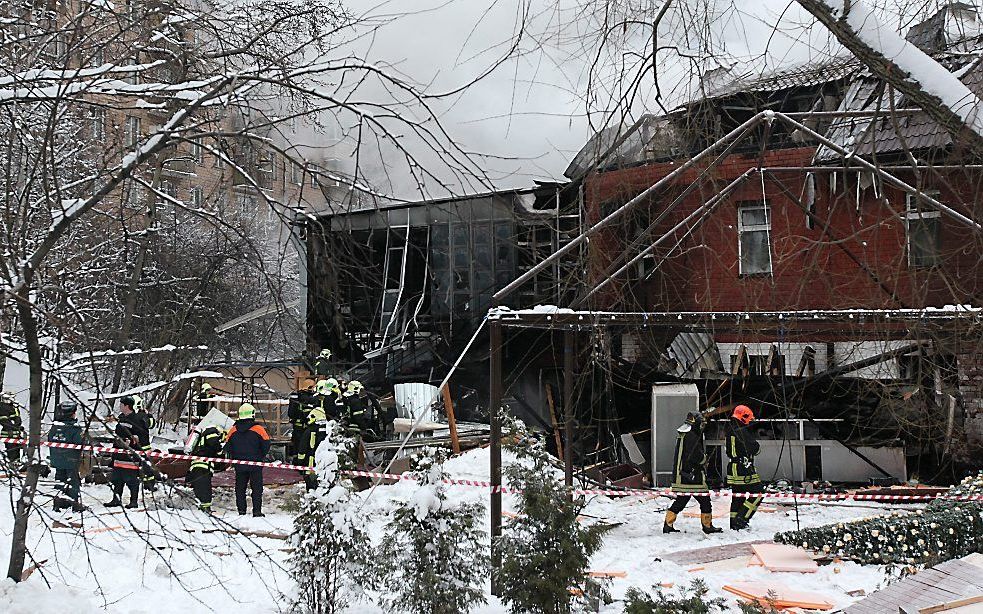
pixel 742 476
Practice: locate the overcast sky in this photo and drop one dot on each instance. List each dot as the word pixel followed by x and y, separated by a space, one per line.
pixel 528 118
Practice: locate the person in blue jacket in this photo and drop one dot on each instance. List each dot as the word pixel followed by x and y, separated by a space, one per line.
pixel 66 461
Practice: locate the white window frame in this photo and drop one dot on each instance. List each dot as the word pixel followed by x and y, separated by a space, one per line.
pixel 97 124
pixel 132 130
pixel 743 228
pixel 195 151
pixel 197 197
pixel 914 212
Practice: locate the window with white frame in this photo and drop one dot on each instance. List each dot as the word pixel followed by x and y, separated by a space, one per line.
pixel 195 149
pixel 922 225
pixel 97 124
pixel 296 174
pixel 132 131
pixel 315 175
pixel 197 197
pixel 754 237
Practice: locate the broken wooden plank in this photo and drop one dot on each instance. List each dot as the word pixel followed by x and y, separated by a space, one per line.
pixel 30 570
pixel 779 595
pixel 780 557
pixel 451 422
pixel 607 574
pixel 958 604
pixel 556 424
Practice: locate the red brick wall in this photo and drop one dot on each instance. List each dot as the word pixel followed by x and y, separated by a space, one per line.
pixel 811 269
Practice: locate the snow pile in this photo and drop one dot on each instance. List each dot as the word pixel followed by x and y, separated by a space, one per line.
pixel 33 598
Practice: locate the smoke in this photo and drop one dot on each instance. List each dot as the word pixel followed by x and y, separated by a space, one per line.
pixel 549 74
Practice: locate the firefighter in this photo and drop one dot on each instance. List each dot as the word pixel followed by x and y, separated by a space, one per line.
pixel 203 400
pixel 149 423
pixel 322 364
pixel 127 464
pixel 11 426
pixel 329 397
pixel 742 477
pixel 689 475
pixel 312 437
pixel 299 405
pixel 360 411
pixel 66 461
pixel 248 440
pixel 209 444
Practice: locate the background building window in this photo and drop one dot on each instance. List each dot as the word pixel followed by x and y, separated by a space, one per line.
pixel 754 237
pixel 194 149
pixel 197 197
pixel 922 224
pixel 97 125
pixel 132 131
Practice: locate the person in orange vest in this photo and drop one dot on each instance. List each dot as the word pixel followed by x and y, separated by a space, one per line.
pixel 248 440
pixel 130 431
pixel 742 476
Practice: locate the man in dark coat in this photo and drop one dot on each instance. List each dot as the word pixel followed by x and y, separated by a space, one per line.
pixel 11 426
pixel 66 461
pixel 208 444
pixel 689 475
pixel 147 475
pixel 299 406
pixel 248 440
pixel 742 476
pixel 127 465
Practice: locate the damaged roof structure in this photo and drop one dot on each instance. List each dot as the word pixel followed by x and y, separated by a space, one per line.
pixel 797 240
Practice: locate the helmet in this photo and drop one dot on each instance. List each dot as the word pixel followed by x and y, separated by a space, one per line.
pixel 743 414
pixel 8 396
pixel 316 415
pixel 355 387
pixel 137 402
pixel 65 410
pixel 694 417
pixel 325 353
pixel 322 387
pixel 246 410
pixel 205 387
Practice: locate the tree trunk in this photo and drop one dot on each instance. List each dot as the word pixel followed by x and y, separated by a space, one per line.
pixel 18 543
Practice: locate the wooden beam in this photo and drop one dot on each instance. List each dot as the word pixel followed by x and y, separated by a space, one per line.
pixel 556 425
pixel 451 421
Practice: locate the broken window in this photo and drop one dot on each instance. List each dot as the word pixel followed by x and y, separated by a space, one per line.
pixel 754 237
pixel 922 226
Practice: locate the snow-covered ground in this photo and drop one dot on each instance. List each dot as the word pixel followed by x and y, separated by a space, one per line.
pixel 174 559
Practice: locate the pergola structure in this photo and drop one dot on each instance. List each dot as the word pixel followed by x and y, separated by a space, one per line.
pixel 570 320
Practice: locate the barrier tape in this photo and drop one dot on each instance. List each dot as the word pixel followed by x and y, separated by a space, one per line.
pixel 627 492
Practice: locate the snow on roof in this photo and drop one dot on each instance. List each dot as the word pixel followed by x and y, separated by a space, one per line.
pixel 802 74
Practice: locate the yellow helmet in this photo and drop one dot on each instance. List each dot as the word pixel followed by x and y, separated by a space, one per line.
pixel 206 386
pixel 355 386
pixel 246 410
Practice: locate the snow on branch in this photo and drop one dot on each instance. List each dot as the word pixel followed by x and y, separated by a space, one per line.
pixel 921 79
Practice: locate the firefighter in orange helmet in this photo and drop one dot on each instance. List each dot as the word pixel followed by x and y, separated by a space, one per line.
pixel 742 476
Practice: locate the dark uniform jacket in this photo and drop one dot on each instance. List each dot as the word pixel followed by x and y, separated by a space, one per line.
pixel 10 420
pixel 316 433
pixel 247 440
pixel 741 450
pixel 299 405
pixel 322 366
pixel 209 443
pixel 65 432
pixel 689 474
pixel 131 429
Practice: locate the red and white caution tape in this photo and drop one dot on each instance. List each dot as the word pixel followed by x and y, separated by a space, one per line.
pixel 610 492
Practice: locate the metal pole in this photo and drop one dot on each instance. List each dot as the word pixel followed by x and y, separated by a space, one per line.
pixel 499 296
pixel 495 422
pixel 568 413
pixel 704 209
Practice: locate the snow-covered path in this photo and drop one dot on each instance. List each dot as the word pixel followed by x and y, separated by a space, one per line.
pixel 169 560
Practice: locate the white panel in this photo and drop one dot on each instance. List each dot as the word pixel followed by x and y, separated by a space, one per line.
pixel 414 399
pixel 670 404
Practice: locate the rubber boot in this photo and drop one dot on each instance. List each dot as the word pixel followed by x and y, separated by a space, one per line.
pixel 116 502
pixel 708 528
pixel 134 496
pixel 667 525
pixel 738 524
